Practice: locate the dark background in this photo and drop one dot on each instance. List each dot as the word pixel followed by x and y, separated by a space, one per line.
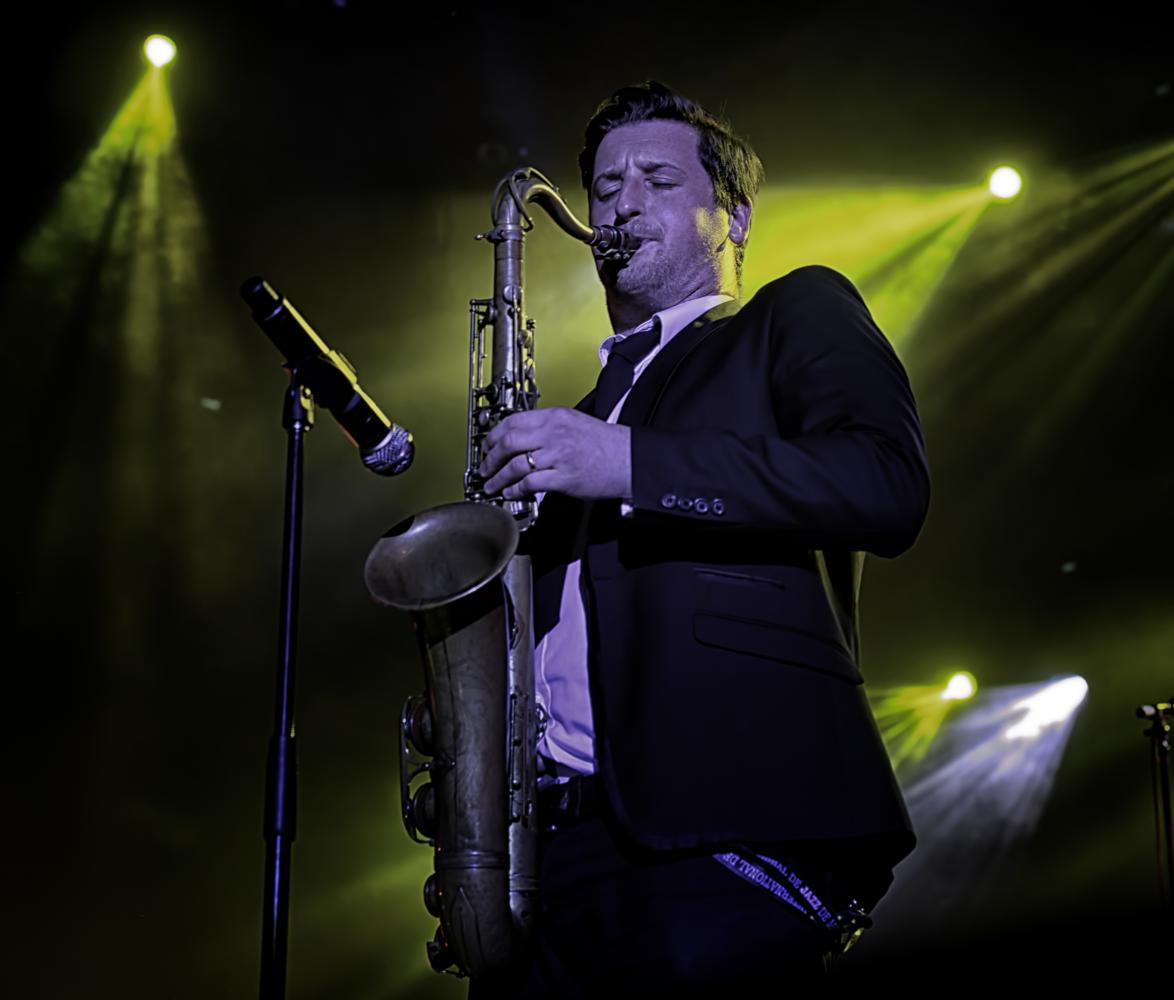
pixel 347 152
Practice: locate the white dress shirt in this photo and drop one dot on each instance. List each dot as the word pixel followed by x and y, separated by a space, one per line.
pixel 560 660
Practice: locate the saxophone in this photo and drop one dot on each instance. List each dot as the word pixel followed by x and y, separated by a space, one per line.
pixel 474 731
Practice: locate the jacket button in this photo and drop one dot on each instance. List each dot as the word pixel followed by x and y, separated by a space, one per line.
pixel 718 506
pixel 684 503
pixel 701 506
pixel 668 500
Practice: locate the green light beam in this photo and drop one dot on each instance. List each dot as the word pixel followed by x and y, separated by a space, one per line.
pixel 909 719
pixel 896 244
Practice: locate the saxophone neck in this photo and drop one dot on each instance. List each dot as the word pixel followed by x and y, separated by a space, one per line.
pixel 510 385
pixel 525 186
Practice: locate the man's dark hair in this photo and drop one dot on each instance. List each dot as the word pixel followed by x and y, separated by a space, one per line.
pixel 733 167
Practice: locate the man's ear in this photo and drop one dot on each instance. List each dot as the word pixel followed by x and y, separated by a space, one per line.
pixel 740 223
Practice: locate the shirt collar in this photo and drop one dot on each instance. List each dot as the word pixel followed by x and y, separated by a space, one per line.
pixel 672 321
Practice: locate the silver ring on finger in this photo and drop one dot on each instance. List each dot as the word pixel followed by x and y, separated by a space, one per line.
pixel 530 461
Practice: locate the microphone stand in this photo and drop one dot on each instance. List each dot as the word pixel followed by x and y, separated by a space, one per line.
pixel 318 372
pixel 1159 733
pixel 281 766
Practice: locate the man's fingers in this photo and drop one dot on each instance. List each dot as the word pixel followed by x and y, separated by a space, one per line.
pixel 513 471
pixel 519 433
pixel 531 485
pixel 523 423
pixel 512 437
pixel 497 456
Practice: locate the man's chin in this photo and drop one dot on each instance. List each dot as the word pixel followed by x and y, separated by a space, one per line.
pixel 630 279
pixel 627 277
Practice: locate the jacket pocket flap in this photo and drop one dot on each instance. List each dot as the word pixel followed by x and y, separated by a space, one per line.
pixel 774 642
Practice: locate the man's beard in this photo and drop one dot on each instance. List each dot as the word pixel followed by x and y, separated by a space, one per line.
pixel 643 278
pixel 651 279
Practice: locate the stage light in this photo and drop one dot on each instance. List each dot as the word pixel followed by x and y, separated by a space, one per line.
pixel 1053 704
pixel 1005 183
pixel 960 687
pixel 910 718
pixel 984 787
pixel 159 50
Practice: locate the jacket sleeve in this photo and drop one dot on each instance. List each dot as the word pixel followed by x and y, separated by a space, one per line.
pixel 843 467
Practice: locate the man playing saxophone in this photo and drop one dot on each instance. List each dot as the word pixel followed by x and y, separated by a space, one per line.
pixel 717 806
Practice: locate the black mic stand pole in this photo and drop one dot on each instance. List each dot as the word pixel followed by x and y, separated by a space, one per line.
pixel 281 802
pixel 1159 733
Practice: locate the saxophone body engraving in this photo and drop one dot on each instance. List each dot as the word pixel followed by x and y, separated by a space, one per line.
pixel 473 733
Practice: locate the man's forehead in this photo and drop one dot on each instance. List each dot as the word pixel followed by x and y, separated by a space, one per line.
pixel 648 144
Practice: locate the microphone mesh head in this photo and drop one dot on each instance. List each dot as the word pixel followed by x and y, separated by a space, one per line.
pixel 392 455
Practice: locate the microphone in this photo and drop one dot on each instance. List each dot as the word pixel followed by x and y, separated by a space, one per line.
pixel 385 447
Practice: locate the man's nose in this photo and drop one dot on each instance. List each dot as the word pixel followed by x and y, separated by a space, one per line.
pixel 630 200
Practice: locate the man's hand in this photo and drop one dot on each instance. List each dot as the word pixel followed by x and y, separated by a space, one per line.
pixel 568 452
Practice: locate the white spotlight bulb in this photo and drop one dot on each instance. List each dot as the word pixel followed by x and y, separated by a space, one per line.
pixel 960 687
pixel 1005 182
pixel 159 49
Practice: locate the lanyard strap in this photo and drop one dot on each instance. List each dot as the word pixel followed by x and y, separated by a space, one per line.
pixel 788 886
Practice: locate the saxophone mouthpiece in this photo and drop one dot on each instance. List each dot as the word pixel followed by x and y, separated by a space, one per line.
pixel 613 243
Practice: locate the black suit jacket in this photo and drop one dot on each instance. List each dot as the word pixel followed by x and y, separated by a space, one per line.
pixel 771 445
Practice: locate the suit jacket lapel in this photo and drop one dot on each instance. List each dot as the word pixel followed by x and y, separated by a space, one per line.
pixel 587 403
pixel 645 395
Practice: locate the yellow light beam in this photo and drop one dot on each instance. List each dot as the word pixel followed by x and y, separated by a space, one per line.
pixel 895 243
pixel 81 219
pixel 909 718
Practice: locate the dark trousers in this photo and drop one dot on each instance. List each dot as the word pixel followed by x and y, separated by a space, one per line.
pixel 617 917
